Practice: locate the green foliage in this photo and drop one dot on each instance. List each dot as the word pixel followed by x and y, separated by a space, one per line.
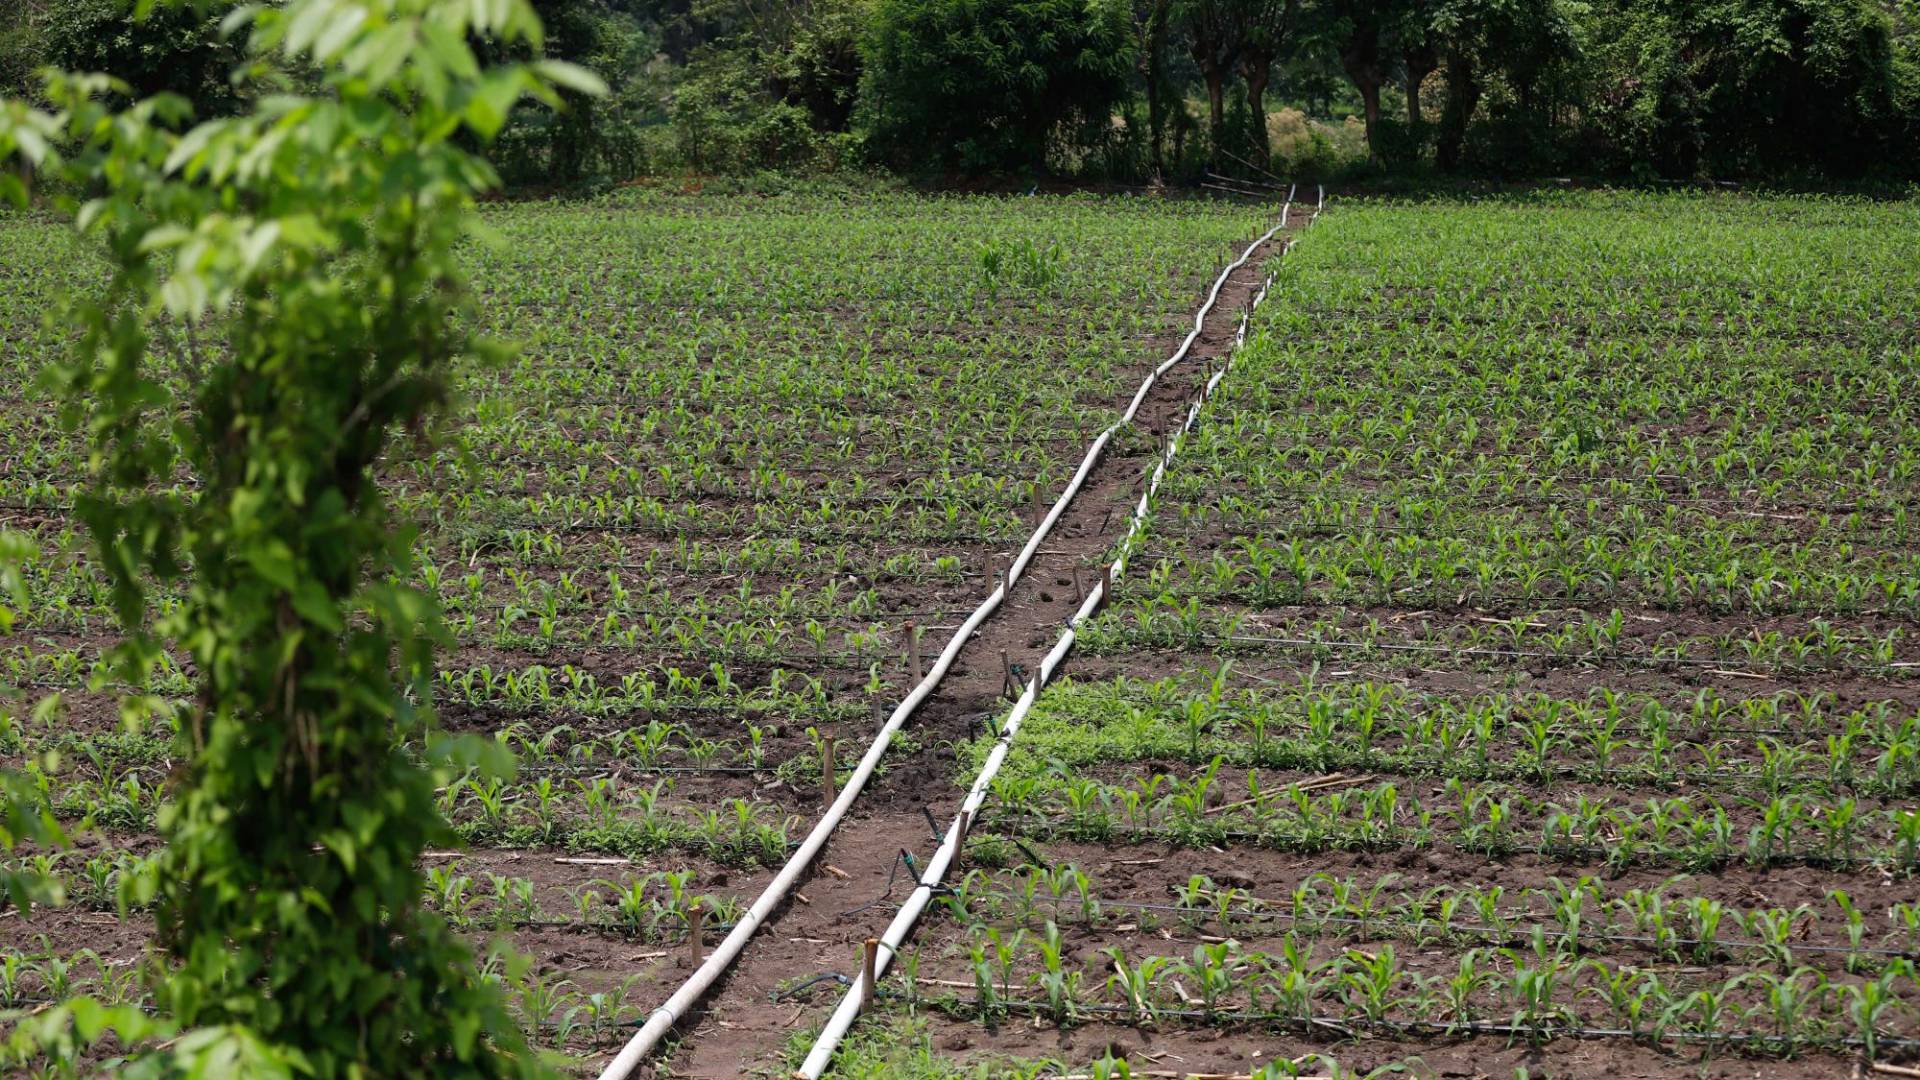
pixel 176 50
pixel 594 136
pixel 297 260
pixel 775 91
pixel 1748 86
pixel 993 84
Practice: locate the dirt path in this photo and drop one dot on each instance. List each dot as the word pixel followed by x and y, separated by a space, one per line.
pixel 740 1028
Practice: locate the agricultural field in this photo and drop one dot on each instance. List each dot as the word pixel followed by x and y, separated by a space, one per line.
pixel 750 450
pixel 1516 676
pixel 1510 670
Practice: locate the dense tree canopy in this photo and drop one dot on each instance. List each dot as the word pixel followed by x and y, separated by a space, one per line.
pixel 993 83
pixel 1673 88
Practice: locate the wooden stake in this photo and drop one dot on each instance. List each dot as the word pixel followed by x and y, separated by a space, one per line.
pixel 827 777
pixel 913 652
pixel 696 944
pixel 1039 506
pixel 869 958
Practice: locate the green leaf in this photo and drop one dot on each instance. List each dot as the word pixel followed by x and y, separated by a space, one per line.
pixel 571 77
pixel 342 844
pixel 313 604
pixel 192 145
pixel 379 55
pixel 328 46
pixel 273 560
pixel 493 100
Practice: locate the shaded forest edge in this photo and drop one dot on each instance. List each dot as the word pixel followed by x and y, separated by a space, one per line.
pixel 1002 95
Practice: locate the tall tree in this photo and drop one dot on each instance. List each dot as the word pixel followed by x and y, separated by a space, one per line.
pixel 1269 32
pixel 1217 34
pixel 1359 29
pixel 993 84
pixel 1419 56
pixel 1154 19
pixel 1521 40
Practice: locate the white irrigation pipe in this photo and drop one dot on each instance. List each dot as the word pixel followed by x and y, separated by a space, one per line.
pixel 670 1013
pixel 910 911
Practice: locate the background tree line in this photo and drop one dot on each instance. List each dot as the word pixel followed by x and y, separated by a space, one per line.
pixel 1137 89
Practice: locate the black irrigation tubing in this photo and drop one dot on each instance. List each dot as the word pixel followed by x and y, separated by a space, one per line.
pixel 1505 935
pixel 1189 527
pixel 521 711
pixel 1038 396
pixel 145 1005
pixel 808 983
pixel 1027 390
pixel 795 618
pixel 578 926
pixel 997 427
pixel 787 621
pixel 1732 856
pixel 799 662
pixel 1434 1027
pixel 1735 780
pixel 1714 327
pixel 1437 486
pixel 597 454
pixel 848 661
pixel 799 499
pixel 1515 700
pixel 428 472
pixel 1596 659
pixel 659 707
pixel 615 766
pixel 1693 734
pixel 438 517
pixel 749 530
pixel 1588 467
pixel 810 501
pixel 1466 598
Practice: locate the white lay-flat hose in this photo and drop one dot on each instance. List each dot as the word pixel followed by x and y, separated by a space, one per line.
pixel 910 911
pixel 697 984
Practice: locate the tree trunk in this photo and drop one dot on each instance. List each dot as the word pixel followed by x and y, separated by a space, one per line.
pixel 1463 97
pixel 1257 70
pixel 1361 60
pixel 1156 82
pixel 1216 112
pixel 1370 99
pixel 1420 63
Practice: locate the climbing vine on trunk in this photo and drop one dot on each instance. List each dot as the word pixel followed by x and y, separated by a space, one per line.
pixel 283 308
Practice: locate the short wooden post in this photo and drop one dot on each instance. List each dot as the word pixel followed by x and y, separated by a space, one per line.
pixel 869 962
pixel 696 940
pixel 913 652
pixel 827 771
